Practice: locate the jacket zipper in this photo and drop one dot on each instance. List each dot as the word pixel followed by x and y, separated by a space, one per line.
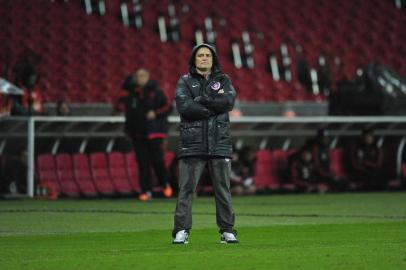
pixel 206 122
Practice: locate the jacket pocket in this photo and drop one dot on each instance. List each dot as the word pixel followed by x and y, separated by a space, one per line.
pixel 191 132
pixel 223 132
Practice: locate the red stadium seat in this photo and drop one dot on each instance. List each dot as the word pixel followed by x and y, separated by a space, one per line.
pixel 119 173
pixel 83 175
pixel 337 163
pixel 100 173
pixel 169 157
pixel 263 169
pixel 66 179
pixel 47 175
pixel 132 170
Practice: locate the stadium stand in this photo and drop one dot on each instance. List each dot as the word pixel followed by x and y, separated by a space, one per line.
pixel 85 57
pixel 83 175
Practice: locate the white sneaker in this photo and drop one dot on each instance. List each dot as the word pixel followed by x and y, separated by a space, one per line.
pixel 228 238
pixel 182 237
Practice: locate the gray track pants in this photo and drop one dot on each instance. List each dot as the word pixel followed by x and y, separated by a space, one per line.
pixel 190 170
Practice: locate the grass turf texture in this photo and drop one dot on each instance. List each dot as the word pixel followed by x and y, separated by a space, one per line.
pixel 342 231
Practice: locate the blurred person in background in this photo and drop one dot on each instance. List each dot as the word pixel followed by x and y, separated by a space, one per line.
pixel 242 172
pixel 146 109
pixel 62 108
pixel 34 104
pixel 303 173
pixel 322 164
pixel 26 76
pixel 366 159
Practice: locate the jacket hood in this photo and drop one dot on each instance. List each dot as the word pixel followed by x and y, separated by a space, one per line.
pixel 192 67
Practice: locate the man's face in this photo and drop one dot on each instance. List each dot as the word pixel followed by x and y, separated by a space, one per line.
pixel 204 59
pixel 142 77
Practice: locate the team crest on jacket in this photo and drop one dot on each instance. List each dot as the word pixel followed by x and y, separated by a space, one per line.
pixel 215 86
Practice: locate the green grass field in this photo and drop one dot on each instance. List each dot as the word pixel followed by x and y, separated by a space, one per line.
pixel 343 231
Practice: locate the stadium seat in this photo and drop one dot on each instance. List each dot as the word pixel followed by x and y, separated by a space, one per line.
pixel 337 163
pixel 100 173
pixel 83 175
pixel 169 157
pixel 118 173
pixel 66 179
pixel 47 176
pixel 263 169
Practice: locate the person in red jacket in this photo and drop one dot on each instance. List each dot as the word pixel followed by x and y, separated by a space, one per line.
pixel 366 160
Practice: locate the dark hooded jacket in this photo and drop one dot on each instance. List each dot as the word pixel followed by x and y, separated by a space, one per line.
pixel 137 102
pixel 203 106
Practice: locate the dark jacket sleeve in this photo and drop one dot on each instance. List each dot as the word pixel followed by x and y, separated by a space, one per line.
pixel 221 103
pixel 376 161
pixel 162 106
pixel 186 106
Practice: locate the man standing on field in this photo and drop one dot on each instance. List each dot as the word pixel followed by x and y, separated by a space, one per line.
pixel 203 98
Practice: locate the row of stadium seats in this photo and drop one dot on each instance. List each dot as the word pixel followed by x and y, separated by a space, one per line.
pixel 85 57
pixel 99 173
pixel 90 175
pixel 117 173
pixel 271 167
